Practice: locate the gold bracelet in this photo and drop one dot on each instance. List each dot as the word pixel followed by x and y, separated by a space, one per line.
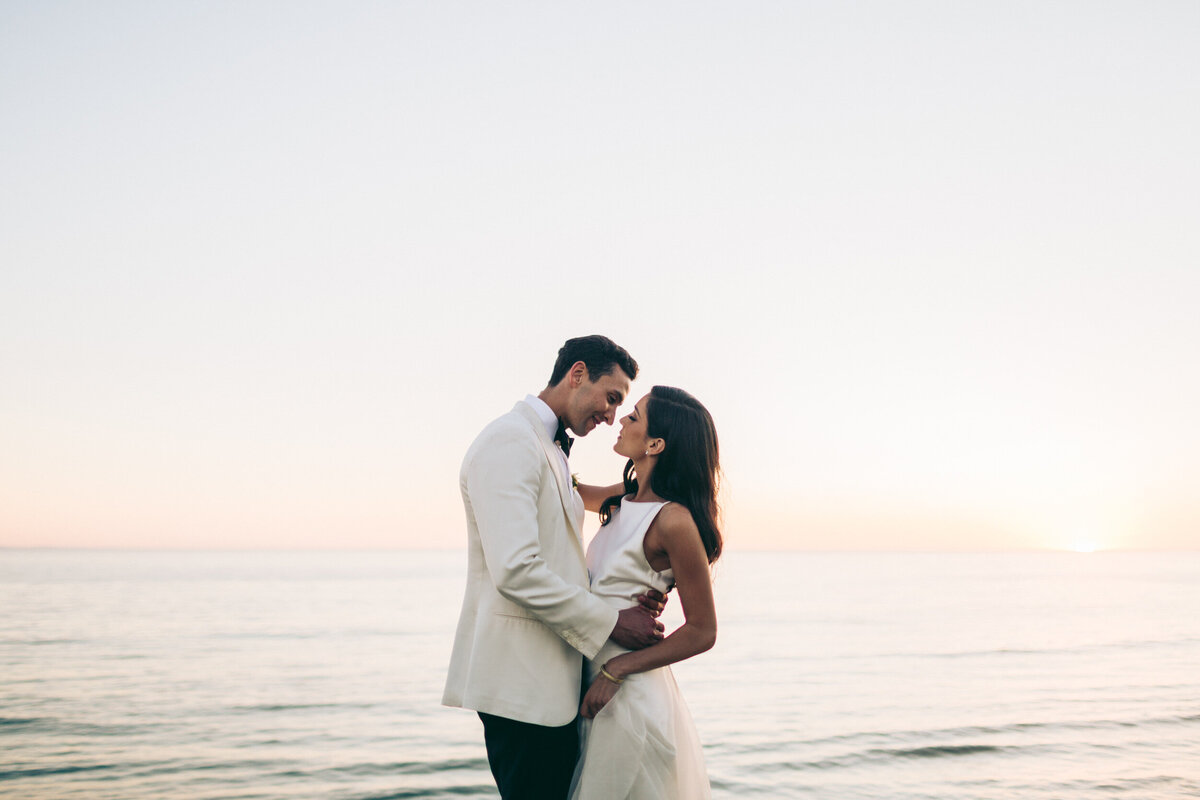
pixel 604 671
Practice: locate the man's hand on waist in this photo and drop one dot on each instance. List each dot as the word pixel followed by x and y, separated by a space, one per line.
pixel 636 628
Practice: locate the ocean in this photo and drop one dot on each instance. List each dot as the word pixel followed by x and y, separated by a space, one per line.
pixel 140 675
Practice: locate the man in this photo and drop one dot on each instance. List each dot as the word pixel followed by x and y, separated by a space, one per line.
pixel 528 619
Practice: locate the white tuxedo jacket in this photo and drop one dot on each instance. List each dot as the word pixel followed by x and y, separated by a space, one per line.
pixel 527 618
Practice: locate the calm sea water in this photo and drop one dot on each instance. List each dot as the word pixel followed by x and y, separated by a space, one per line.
pixel 139 675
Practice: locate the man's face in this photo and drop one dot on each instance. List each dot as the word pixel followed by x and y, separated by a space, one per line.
pixel 593 402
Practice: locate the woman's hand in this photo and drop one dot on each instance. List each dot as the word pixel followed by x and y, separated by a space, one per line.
pixel 598 694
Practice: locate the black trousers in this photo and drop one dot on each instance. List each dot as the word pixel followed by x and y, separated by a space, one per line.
pixel 530 762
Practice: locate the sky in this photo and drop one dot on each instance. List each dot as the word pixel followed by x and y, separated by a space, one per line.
pixel 267 268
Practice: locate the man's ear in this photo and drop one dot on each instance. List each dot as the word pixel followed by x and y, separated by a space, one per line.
pixel 577 373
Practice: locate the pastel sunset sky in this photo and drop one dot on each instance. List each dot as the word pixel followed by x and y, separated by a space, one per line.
pixel 267 268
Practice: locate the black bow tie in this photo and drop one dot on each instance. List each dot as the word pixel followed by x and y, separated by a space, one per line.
pixel 561 439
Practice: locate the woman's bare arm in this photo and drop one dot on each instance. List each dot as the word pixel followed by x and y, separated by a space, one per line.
pixel 674 534
pixel 594 496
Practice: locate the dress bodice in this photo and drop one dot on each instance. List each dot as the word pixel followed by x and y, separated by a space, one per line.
pixel 616 560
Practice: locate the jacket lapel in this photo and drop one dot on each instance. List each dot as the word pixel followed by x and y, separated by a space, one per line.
pixel 561 478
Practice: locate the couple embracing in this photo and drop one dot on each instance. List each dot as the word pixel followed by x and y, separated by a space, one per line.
pixel 537 607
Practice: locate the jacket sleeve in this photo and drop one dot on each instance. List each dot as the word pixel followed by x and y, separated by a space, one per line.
pixel 502 481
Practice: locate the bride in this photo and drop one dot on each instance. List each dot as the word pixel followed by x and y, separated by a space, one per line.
pixel 658 531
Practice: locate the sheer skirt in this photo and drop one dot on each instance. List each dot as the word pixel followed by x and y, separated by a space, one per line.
pixel 642 745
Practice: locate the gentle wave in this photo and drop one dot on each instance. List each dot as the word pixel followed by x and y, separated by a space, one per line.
pixel 371 769
pixel 1182 786
pixel 6 721
pixel 182 766
pixel 273 768
pixel 22 725
pixel 944 750
pixel 880 755
pixel 66 769
pixel 970 731
pixel 1002 652
pixel 276 707
pixel 476 790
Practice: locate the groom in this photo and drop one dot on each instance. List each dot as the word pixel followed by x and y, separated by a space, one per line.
pixel 528 619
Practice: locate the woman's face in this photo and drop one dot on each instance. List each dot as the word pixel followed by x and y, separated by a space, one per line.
pixel 632 440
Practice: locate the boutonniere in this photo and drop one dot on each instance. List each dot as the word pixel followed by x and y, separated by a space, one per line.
pixel 574 480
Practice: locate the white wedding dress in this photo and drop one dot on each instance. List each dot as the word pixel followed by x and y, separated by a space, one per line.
pixel 643 744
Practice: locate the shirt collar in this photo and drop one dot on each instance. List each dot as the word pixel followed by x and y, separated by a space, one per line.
pixel 545 414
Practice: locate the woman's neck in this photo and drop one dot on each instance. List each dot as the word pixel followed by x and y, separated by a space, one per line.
pixel 644 493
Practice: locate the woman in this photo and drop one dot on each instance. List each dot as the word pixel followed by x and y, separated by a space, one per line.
pixel 638 739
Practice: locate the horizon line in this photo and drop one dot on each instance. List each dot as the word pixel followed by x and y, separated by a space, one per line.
pixel 812 551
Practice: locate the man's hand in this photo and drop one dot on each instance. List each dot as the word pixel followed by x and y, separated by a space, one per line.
pixel 653 601
pixel 636 628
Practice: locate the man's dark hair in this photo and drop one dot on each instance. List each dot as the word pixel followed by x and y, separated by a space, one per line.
pixel 598 353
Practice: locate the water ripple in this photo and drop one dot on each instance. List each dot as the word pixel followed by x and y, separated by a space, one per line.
pixel 970 731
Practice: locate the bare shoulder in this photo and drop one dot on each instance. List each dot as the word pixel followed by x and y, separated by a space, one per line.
pixel 675 524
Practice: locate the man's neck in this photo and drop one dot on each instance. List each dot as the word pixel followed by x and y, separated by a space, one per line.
pixel 555 399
